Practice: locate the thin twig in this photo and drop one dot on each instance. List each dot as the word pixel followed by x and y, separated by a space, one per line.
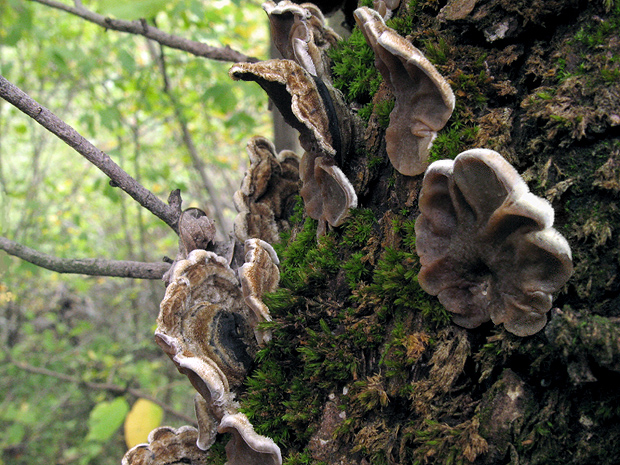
pixel 102 387
pixel 101 160
pixel 140 27
pixel 92 267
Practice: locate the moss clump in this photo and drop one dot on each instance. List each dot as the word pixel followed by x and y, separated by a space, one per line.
pixel 354 71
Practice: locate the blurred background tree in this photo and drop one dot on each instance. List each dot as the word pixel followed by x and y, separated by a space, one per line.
pixel 77 351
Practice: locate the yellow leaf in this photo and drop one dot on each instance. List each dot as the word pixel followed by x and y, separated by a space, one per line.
pixel 143 417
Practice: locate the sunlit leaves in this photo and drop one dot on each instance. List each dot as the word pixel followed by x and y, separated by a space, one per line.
pixel 143 417
pixel 105 418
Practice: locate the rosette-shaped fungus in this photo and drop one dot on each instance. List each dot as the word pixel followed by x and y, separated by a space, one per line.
pixel 424 99
pixel 267 195
pixel 486 244
pixel 328 195
pixel 168 446
pixel 299 33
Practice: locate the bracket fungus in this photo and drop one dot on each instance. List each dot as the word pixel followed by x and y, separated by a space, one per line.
pixel 319 113
pixel 314 108
pixel 246 447
pixel 268 191
pixel 486 244
pixel 168 446
pixel 424 99
pixel 300 33
pixel 259 275
pixel 328 195
pixel 206 328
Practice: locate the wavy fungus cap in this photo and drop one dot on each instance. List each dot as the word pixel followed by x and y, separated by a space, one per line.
pixel 203 326
pixel 168 446
pixel 300 33
pixel 268 192
pixel 327 192
pixel 246 447
pixel 486 244
pixel 424 99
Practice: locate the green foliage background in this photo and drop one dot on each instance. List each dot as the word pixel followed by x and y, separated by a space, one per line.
pixel 109 87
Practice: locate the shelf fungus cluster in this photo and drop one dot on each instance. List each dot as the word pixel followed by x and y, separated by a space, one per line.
pixel 208 326
pixel 486 244
pixel 300 87
pixel 268 192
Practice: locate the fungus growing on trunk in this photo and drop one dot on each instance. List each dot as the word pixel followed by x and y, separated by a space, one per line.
pixel 424 99
pixel 246 447
pixel 300 33
pixel 486 244
pixel 319 113
pixel 207 330
pixel 294 92
pixel 259 275
pixel 168 446
pixel 328 195
pixel 268 192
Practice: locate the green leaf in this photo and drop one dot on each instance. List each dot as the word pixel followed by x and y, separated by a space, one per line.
pixel 105 418
pixel 222 97
pixel 15 434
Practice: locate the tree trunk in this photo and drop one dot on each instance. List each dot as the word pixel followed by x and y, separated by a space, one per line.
pixel 364 366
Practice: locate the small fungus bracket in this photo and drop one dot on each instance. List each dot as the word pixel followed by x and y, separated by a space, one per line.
pixel 259 275
pixel 268 191
pixel 300 33
pixel 328 194
pixel 424 99
pixel 166 446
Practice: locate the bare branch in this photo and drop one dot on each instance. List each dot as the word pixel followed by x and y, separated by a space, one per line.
pixel 92 267
pixel 47 119
pixel 140 27
pixel 101 386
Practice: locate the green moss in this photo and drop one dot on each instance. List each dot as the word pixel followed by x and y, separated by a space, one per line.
pixel 383 110
pixel 303 458
pixel 356 232
pixel 354 71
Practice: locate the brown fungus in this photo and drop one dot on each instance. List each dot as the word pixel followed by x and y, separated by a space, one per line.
pixel 268 192
pixel 486 244
pixel 328 195
pixel 246 447
pixel 294 92
pixel 424 99
pixel 202 316
pixel 323 120
pixel 205 327
pixel 300 33
pixel 316 109
pixel 259 275
pixel 168 446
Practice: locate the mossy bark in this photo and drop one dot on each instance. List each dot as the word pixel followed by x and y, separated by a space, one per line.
pixel 364 367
